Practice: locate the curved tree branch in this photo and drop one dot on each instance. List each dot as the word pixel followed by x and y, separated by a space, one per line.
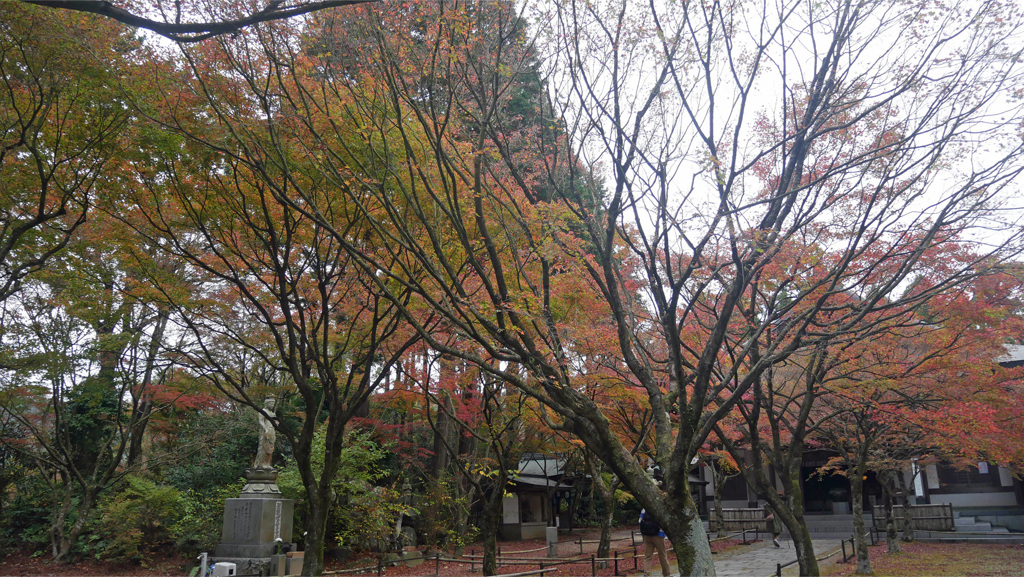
pixel 196 31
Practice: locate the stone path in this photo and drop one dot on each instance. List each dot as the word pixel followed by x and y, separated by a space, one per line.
pixel 759 559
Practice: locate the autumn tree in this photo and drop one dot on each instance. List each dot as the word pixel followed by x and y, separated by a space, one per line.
pixel 273 305
pixel 81 343
pixel 728 142
pixel 840 160
pixel 490 426
pixel 690 149
pixel 706 187
pixel 919 390
pixel 88 345
pixel 61 125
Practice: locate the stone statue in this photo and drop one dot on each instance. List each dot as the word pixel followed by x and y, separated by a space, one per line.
pixel 265 450
pixel 404 535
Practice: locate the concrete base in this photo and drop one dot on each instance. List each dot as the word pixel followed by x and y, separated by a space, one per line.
pixel 278 565
pixel 247 565
pixel 252 526
pixel 293 563
pixel 551 537
pixel 407 558
pixel 255 524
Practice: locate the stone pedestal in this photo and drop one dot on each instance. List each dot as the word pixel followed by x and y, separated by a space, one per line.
pixel 294 561
pixel 551 536
pixel 278 565
pixel 254 522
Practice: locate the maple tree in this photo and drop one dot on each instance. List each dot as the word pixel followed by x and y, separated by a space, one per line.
pixel 81 342
pixel 481 429
pixel 667 190
pixel 88 350
pixel 709 186
pixel 788 405
pixel 493 437
pixel 273 306
pixel 61 125
pixel 922 388
pixel 304 151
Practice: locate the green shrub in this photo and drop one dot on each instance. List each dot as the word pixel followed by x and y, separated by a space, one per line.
pixel 134 521
pixel 212 451
pixel 363 515
pixel 202 518
pixel 439 510
pixel 25 517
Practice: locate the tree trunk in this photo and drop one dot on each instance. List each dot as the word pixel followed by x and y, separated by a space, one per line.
pixel 719 516
pixel 604 544
pixel 788 509
pixel 674 507
pixel 316 529
pixel 59 545
pixel 607 494
pixel 82 514
pixel 490 518
pixel 908 523
pixel 439 460
pixel 686 531
pixel 463 497
pixel 801 541
pixel 805 557
pixel 859 542
pixel 891 536
pixel 791 515
pixel 63 542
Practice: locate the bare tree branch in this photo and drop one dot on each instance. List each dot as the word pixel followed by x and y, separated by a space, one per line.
pixel 195 31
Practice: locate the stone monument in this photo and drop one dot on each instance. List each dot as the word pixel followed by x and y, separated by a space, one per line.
pixel 257 524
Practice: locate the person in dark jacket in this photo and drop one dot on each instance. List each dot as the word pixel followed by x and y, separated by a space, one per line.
pixel 654 540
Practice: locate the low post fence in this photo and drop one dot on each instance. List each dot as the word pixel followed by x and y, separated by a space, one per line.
pixel 731 535
pixel 581 541
pixel 853 544
pixel 780 566
pixel 545 564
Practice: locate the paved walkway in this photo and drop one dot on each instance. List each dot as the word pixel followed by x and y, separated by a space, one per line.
pixel 759 559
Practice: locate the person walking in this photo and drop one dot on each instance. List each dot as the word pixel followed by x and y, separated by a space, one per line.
pixel 772 525
pixel 654 540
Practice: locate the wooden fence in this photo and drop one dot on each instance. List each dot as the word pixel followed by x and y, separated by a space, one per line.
pixel 740 519
pixel 937 517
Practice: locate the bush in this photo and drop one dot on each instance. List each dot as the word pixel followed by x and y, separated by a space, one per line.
pixel 202 518
pixel 212 451
pixel 25 517
pixel 437 522
pixel 363 515
pixel 134 521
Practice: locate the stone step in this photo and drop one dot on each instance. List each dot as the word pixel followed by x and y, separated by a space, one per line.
pixel 972 525
pixel 956 537
pixel 843 524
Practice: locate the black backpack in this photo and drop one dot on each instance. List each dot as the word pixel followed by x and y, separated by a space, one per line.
pixel 648 526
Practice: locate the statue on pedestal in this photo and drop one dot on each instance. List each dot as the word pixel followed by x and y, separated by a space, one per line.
pixel 262 476
pixel 258 522
pixel 268 436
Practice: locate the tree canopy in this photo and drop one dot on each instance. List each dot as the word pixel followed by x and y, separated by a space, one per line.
pixel 659 232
